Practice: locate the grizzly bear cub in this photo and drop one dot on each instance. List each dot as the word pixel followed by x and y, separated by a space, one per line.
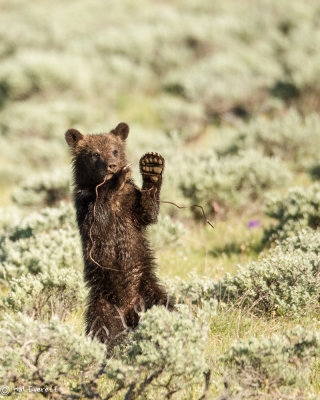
pixel 118 263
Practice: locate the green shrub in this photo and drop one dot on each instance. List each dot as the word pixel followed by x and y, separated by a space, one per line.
pixel 195 290
pixel 256 64
pixel 231 181
pixel 141 141
pixel 46 294
pixel 166 351
pixel 272 364
pixel 289 137
pixel 298 209
pixel 176 114
pixel 45 354
pixel 38 222
pixel 40 243
pixel 280 283
pixel 166 232
pixel 307 240
pixel 219 98
pixel 9 216
pixel 28 73
pixel 27 156
pixel 36 118
pixel 163 356
pixel 44 189
pixel 40 253
pixel 283 281
pixel 314 170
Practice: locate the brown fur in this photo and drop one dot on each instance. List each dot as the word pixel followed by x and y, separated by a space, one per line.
pixel 125 283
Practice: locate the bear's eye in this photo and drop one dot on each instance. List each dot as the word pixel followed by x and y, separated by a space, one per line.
pixel 96 155
pixel 115 152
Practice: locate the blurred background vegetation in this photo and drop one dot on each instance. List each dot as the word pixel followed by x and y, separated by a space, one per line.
pixel 229 93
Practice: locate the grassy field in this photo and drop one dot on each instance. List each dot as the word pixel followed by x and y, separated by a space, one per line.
pixel 228 92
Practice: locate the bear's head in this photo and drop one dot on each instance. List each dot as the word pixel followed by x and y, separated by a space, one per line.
pixel 96 157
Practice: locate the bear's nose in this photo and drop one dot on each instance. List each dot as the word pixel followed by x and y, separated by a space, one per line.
pixel 111 167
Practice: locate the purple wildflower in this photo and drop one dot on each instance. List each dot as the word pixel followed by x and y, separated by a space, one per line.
pixel 253 224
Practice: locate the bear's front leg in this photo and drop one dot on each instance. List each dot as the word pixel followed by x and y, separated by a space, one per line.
pixel 120 178
pixel 151 168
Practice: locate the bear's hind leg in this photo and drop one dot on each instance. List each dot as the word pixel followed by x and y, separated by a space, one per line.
pixel 105 322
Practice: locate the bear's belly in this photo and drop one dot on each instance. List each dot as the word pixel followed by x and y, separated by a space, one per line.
pixel 117 244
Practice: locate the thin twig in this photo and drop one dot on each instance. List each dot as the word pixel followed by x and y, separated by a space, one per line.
pixel 176 205
pixel 93 221
pixel 192 205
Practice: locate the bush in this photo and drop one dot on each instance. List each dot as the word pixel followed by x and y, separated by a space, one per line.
pixel 27 73
pixel 44 189
pixel 246 94
pixel 176 114
pixel 40 253
pixel 195 290
pixel 272 364
pixel 9 216
pixel 22 120
pixel 281 283
pixel 284 281
pixel 307 240
pixel 45 354
pixel 231 181
pixel 38 222
pixel 164 355
pixel 166 232
pixel 29 155
pixel 46 294
pixel 298 209
pixel 314 170
pixel 40 243
pixel 166 351
pixel 290 137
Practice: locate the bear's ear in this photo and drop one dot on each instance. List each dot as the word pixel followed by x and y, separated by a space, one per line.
pixel 73 137
pixel 121 130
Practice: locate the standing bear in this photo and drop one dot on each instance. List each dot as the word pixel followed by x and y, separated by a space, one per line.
pixel 112 216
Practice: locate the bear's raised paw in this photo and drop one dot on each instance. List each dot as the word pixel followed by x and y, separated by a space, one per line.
pixel 151 166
